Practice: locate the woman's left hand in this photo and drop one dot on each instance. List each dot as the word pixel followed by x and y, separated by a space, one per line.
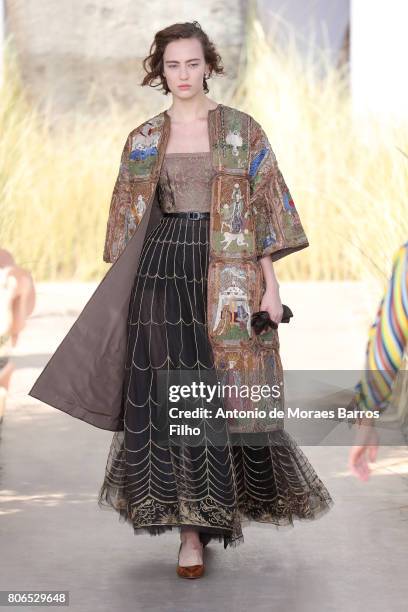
pixel 271 302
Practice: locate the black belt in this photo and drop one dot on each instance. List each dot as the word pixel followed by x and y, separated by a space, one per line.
pixel 190 214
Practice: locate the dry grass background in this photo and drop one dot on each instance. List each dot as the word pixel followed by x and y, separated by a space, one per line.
pixel 349 181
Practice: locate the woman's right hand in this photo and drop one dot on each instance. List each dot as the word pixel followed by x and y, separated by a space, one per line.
pixel 365 445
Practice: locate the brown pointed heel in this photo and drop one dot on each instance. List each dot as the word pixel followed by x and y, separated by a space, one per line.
pixel 189 571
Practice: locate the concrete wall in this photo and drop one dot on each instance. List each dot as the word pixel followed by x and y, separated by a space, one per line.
pixel 72 51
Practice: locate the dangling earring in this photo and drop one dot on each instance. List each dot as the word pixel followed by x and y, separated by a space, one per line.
pixel 205 81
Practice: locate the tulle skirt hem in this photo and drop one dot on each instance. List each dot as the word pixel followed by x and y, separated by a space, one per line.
pixel 292 491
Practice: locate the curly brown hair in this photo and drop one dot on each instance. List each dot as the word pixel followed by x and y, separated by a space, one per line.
pixel 153 63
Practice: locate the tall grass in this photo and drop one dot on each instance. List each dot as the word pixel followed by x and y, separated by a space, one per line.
pixel 56 180
pixel 347 175
pixel 349 184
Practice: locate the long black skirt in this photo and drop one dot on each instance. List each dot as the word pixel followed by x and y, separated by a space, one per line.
pixel 156 482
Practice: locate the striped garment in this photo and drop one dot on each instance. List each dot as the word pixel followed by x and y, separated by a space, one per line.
pixel 388 339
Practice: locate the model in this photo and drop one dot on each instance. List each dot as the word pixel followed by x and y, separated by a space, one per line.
pixel 384 381
pixel 199 213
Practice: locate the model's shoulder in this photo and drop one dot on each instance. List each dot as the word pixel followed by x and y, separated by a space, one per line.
pixel 236 111
pixel 153 123
pixel 257 138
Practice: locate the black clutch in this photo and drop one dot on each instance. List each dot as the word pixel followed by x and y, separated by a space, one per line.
pixel 261 320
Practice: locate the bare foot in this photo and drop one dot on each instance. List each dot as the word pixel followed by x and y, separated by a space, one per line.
pixel 191 552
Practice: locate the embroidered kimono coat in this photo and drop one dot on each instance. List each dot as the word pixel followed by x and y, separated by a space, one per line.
pixel 252 215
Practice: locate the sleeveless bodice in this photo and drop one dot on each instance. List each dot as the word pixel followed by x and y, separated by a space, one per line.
pixel 185 182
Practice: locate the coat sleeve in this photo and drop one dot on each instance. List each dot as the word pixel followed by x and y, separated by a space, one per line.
pixel 120 203
pixel 387 340
pixel 278 229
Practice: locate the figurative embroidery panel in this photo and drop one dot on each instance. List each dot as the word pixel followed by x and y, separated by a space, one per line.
pixel 239 370
pixel 120 203
pixel 134 187
pixel 230 140
pixel 144 149
pixel 232 228
pixel 278 228
pixel 141 194
pixel 237 296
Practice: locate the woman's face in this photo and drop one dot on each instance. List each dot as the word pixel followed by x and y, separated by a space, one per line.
pixel 184 64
